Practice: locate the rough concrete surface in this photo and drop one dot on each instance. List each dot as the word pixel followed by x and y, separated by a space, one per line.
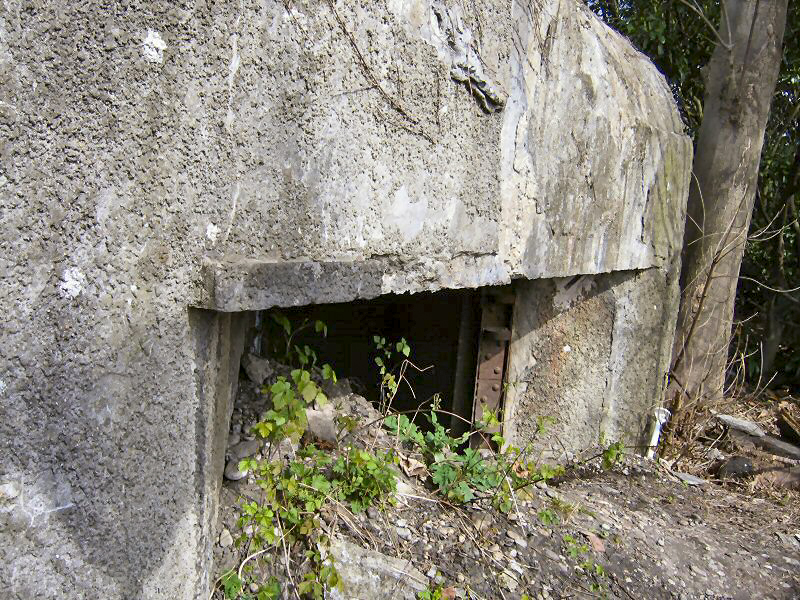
pixel 140 141
pixel 590 354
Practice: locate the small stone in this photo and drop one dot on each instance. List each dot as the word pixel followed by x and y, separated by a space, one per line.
pixel 697 571
pixel 515 566
pixel 225 538
pixel 232 471
pixel 552 555
pixel 258 369
pixel 597 543
pixel 508 581
pixel 403 533
pixel 460 577
pixel 244 449
pixel 253 587
pixel 494 548
pixel 518 538
pixel 481 520
pixel 9 491
pixel 606 527
pixel 373 513
pixel 401 523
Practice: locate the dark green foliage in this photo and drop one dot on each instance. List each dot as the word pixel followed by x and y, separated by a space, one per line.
pixel 363 479
pixel 461 474
pixel 679 39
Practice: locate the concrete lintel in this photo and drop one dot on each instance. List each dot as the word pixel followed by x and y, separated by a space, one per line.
pixel 232 285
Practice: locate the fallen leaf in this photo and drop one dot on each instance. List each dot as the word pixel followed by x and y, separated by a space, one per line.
pixel 411 466
pixel 598 545
pixel 449 593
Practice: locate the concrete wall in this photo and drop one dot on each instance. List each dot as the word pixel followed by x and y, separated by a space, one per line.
pixel 160 155
pixel 591 354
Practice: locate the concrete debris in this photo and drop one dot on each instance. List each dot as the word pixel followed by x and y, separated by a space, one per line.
pixel 225 538
pixel 690 479
pixel 258 369
pixel 367 574
pixel 322 424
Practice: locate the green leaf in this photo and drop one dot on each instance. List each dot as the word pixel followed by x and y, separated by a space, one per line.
pixel 281 320
pixel 319 326
pixel 232 585
pixel 328 372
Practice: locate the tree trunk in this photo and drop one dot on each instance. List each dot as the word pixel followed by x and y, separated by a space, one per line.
pixel 740 82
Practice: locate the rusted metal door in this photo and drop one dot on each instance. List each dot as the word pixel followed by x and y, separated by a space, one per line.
pixel 497 306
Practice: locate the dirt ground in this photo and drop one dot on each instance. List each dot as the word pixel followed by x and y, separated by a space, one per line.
pixel 635 531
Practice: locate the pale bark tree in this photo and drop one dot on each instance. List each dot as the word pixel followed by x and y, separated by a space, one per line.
pixel 740 82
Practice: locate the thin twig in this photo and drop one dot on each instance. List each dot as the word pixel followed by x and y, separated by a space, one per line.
pixel 367 72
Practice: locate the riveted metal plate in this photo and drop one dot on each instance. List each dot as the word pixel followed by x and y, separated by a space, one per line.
pixel 496 312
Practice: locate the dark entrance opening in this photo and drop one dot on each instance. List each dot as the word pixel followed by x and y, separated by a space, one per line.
pixel 459 337
pixel 440 328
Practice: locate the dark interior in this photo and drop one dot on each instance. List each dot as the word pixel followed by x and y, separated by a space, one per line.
pixel 440 327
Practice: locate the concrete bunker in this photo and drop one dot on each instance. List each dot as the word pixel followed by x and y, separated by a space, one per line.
pixel 232 160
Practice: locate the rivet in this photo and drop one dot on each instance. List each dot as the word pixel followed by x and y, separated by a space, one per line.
pixel 497 370
pixel 487 356
pixel 483 398
pixel 496 387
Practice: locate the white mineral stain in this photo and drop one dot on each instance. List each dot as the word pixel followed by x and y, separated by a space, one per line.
pixel 407 216
pixel 235 61
pixel 212 231
pixel 153 47
pixel 72 282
